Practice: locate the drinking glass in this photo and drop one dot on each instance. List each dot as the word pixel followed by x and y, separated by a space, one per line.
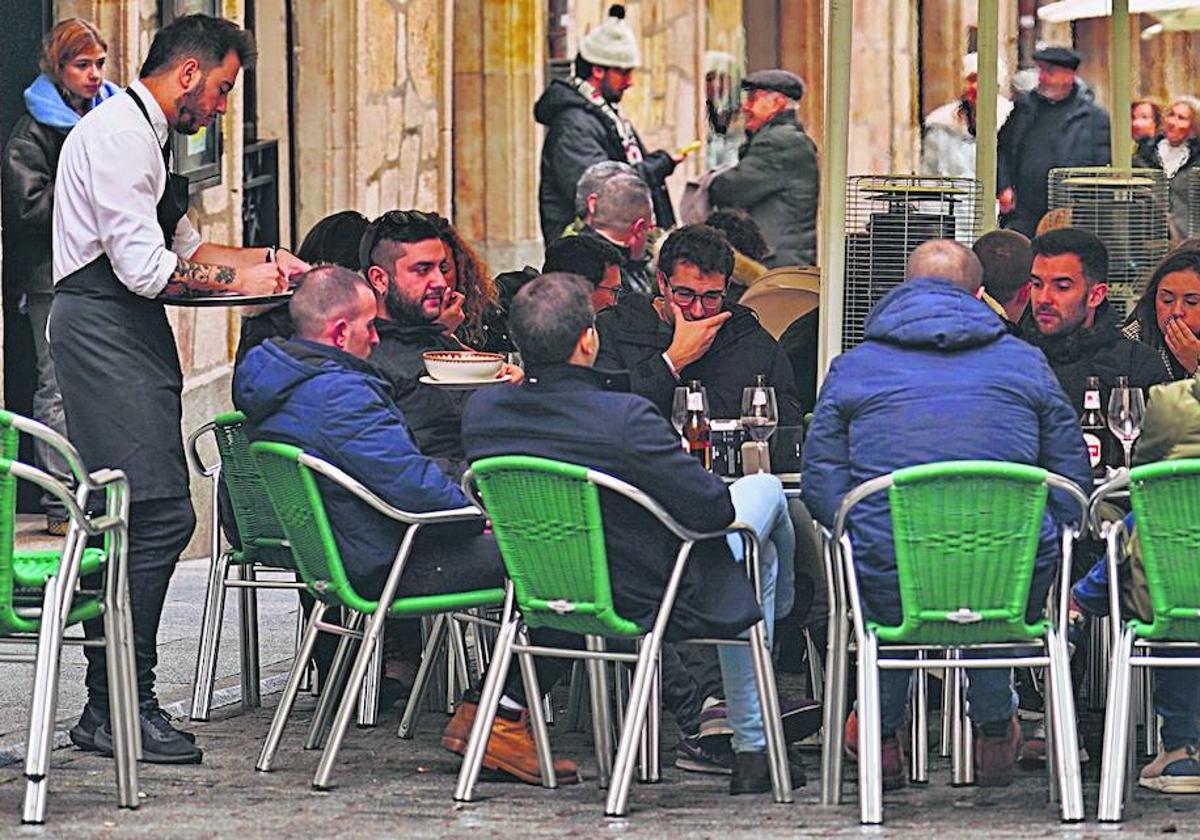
pixel 1126 411
pixel 759 416
pixel 679 411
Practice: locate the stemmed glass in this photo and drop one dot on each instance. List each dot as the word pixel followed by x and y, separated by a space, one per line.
pixel 1126 411
pixel 679 412
pixel 760 415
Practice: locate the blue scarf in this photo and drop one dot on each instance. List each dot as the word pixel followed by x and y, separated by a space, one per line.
pixel 46 105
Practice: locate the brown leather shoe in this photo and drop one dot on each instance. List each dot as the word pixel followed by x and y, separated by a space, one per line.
pixel 895 771
pixel 510 747
pixel 995 756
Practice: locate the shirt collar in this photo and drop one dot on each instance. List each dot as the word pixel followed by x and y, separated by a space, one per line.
pixel 158 120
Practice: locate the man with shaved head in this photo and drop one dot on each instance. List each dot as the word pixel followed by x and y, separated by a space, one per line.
pixel 938 378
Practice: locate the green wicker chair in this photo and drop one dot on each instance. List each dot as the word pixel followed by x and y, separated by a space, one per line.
pixel 40 597
pixel 264 550
pixel 290 475
pixel 1166 515
pixel 548 523
pixel 966 539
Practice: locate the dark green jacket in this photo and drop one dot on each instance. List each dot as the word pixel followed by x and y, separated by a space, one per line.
pixel 776 181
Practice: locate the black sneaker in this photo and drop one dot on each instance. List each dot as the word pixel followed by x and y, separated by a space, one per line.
pixel 83 733
pixel 162 743
pixel 694 755
pixel 752 775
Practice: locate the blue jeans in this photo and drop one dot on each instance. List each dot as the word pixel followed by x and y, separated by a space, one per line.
pixel 990 695
pixel 1177 700
pixel 759 502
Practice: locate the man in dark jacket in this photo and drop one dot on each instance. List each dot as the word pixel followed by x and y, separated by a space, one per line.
pixel 583 126
pixel 776 178
pixel 937 379
pixel 317 391
pixel 563 412
pixel 623 216
pixel 1073 323
pixel 1059 124
pixel 402 257
pixel 692 332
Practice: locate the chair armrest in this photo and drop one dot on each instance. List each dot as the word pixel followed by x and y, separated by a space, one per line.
pixel 92 526
pixel 1117 483
pixel 353 485
pixel 193 454
pixel 55 441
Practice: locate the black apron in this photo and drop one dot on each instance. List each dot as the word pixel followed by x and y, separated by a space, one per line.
pixel 118 367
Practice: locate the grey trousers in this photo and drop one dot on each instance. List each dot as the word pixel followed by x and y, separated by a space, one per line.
pixel 47 400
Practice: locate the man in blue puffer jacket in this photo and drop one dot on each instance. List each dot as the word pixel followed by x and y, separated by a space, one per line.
pixel 937 379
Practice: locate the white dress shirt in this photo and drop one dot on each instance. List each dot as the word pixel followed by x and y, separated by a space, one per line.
pixel 110 177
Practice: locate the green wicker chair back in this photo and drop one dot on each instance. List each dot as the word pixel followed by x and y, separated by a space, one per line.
pixel 1167 525
pixel 9 441
pixel 966 538
pixel 547 521
pixel 261 533
pixel 293 491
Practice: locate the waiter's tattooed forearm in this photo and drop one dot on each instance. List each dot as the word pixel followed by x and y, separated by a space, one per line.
pixel 192 277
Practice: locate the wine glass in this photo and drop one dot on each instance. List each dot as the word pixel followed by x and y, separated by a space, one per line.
pixel 760 415
pixel 679 410
pixel 1126 411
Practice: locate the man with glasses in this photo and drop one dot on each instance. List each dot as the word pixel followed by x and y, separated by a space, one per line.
pixel 404 261
pixel 593 259
pixel 690 331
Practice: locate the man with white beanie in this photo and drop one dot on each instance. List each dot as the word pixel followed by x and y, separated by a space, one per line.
pixel 948 145
pixel 584 126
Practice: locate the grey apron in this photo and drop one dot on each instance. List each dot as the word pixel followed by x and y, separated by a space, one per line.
pixel 118 367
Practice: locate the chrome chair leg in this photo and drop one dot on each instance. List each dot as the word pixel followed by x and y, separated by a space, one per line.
pixel 485 716
pixel 412 709
pixel 962 764
pixel 368 696
pixel 248 601
pixel 919 770
pixel 308 682
pixel 945 744
pixel 1066 743
pixel 1150 723
pixel 575 696
pixel 768 699
pixel 537 720
pixel 601 718
pixel 210 638
pixel 41 707
pixel 617 802
pixel 331 692
pixel 1117 725
pixel 870 746
pixel 288 699
pixel 837 676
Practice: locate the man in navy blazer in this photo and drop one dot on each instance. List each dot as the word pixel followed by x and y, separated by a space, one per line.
pixel 564 412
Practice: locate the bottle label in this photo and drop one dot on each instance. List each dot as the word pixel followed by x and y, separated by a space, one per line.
pixel 695 401
pixel 1093 448
pixel 760 397
pixel 1091 401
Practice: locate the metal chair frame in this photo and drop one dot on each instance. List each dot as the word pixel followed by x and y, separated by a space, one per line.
pixel 348 674
pixel 846 613
pixel 1117 767
pixel 59 593
pixel 639 734
pixel 246 582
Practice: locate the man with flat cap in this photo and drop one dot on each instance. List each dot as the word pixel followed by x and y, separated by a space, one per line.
pixel 776 177
pixel 1058 124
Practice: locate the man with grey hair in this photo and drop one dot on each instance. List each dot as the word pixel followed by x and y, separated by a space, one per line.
pixel 934 351
pixel 776 177
pixel 623 216
pixel 589 185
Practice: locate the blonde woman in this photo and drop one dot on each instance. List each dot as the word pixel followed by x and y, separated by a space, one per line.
pixel 1175 151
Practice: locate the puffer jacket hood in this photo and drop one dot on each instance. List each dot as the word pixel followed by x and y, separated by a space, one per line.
pixel 559 96
pixel 264 382
pixel 46 105
pixel 931 313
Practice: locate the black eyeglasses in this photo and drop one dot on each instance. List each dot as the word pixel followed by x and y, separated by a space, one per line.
pixel 392 222
pixel 685 297
pixel 617 292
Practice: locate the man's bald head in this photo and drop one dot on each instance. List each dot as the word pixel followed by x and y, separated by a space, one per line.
pixel 946 259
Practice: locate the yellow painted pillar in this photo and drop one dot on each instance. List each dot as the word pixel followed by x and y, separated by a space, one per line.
pixel 838 30
pixel 1119 74
pixel 985 113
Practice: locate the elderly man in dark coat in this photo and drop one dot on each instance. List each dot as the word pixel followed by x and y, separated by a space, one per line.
pixel 1058 124
pixel 584 126
pixel 776 178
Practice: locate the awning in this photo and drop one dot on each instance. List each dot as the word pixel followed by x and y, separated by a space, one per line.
pixel 1171 13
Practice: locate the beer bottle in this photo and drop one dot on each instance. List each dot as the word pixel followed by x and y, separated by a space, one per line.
pixel 1095 430
pixel 696 431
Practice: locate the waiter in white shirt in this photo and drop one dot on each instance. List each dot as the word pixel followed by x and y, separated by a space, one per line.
pixel 122 244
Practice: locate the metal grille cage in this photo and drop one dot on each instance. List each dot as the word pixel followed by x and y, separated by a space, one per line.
pixel 887 216
pixel 1193 201
pixel 1127 209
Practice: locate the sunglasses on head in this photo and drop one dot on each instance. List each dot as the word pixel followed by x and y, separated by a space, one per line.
pixel 391 222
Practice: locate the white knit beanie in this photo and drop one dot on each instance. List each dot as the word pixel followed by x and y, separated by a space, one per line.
pixel 612 43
